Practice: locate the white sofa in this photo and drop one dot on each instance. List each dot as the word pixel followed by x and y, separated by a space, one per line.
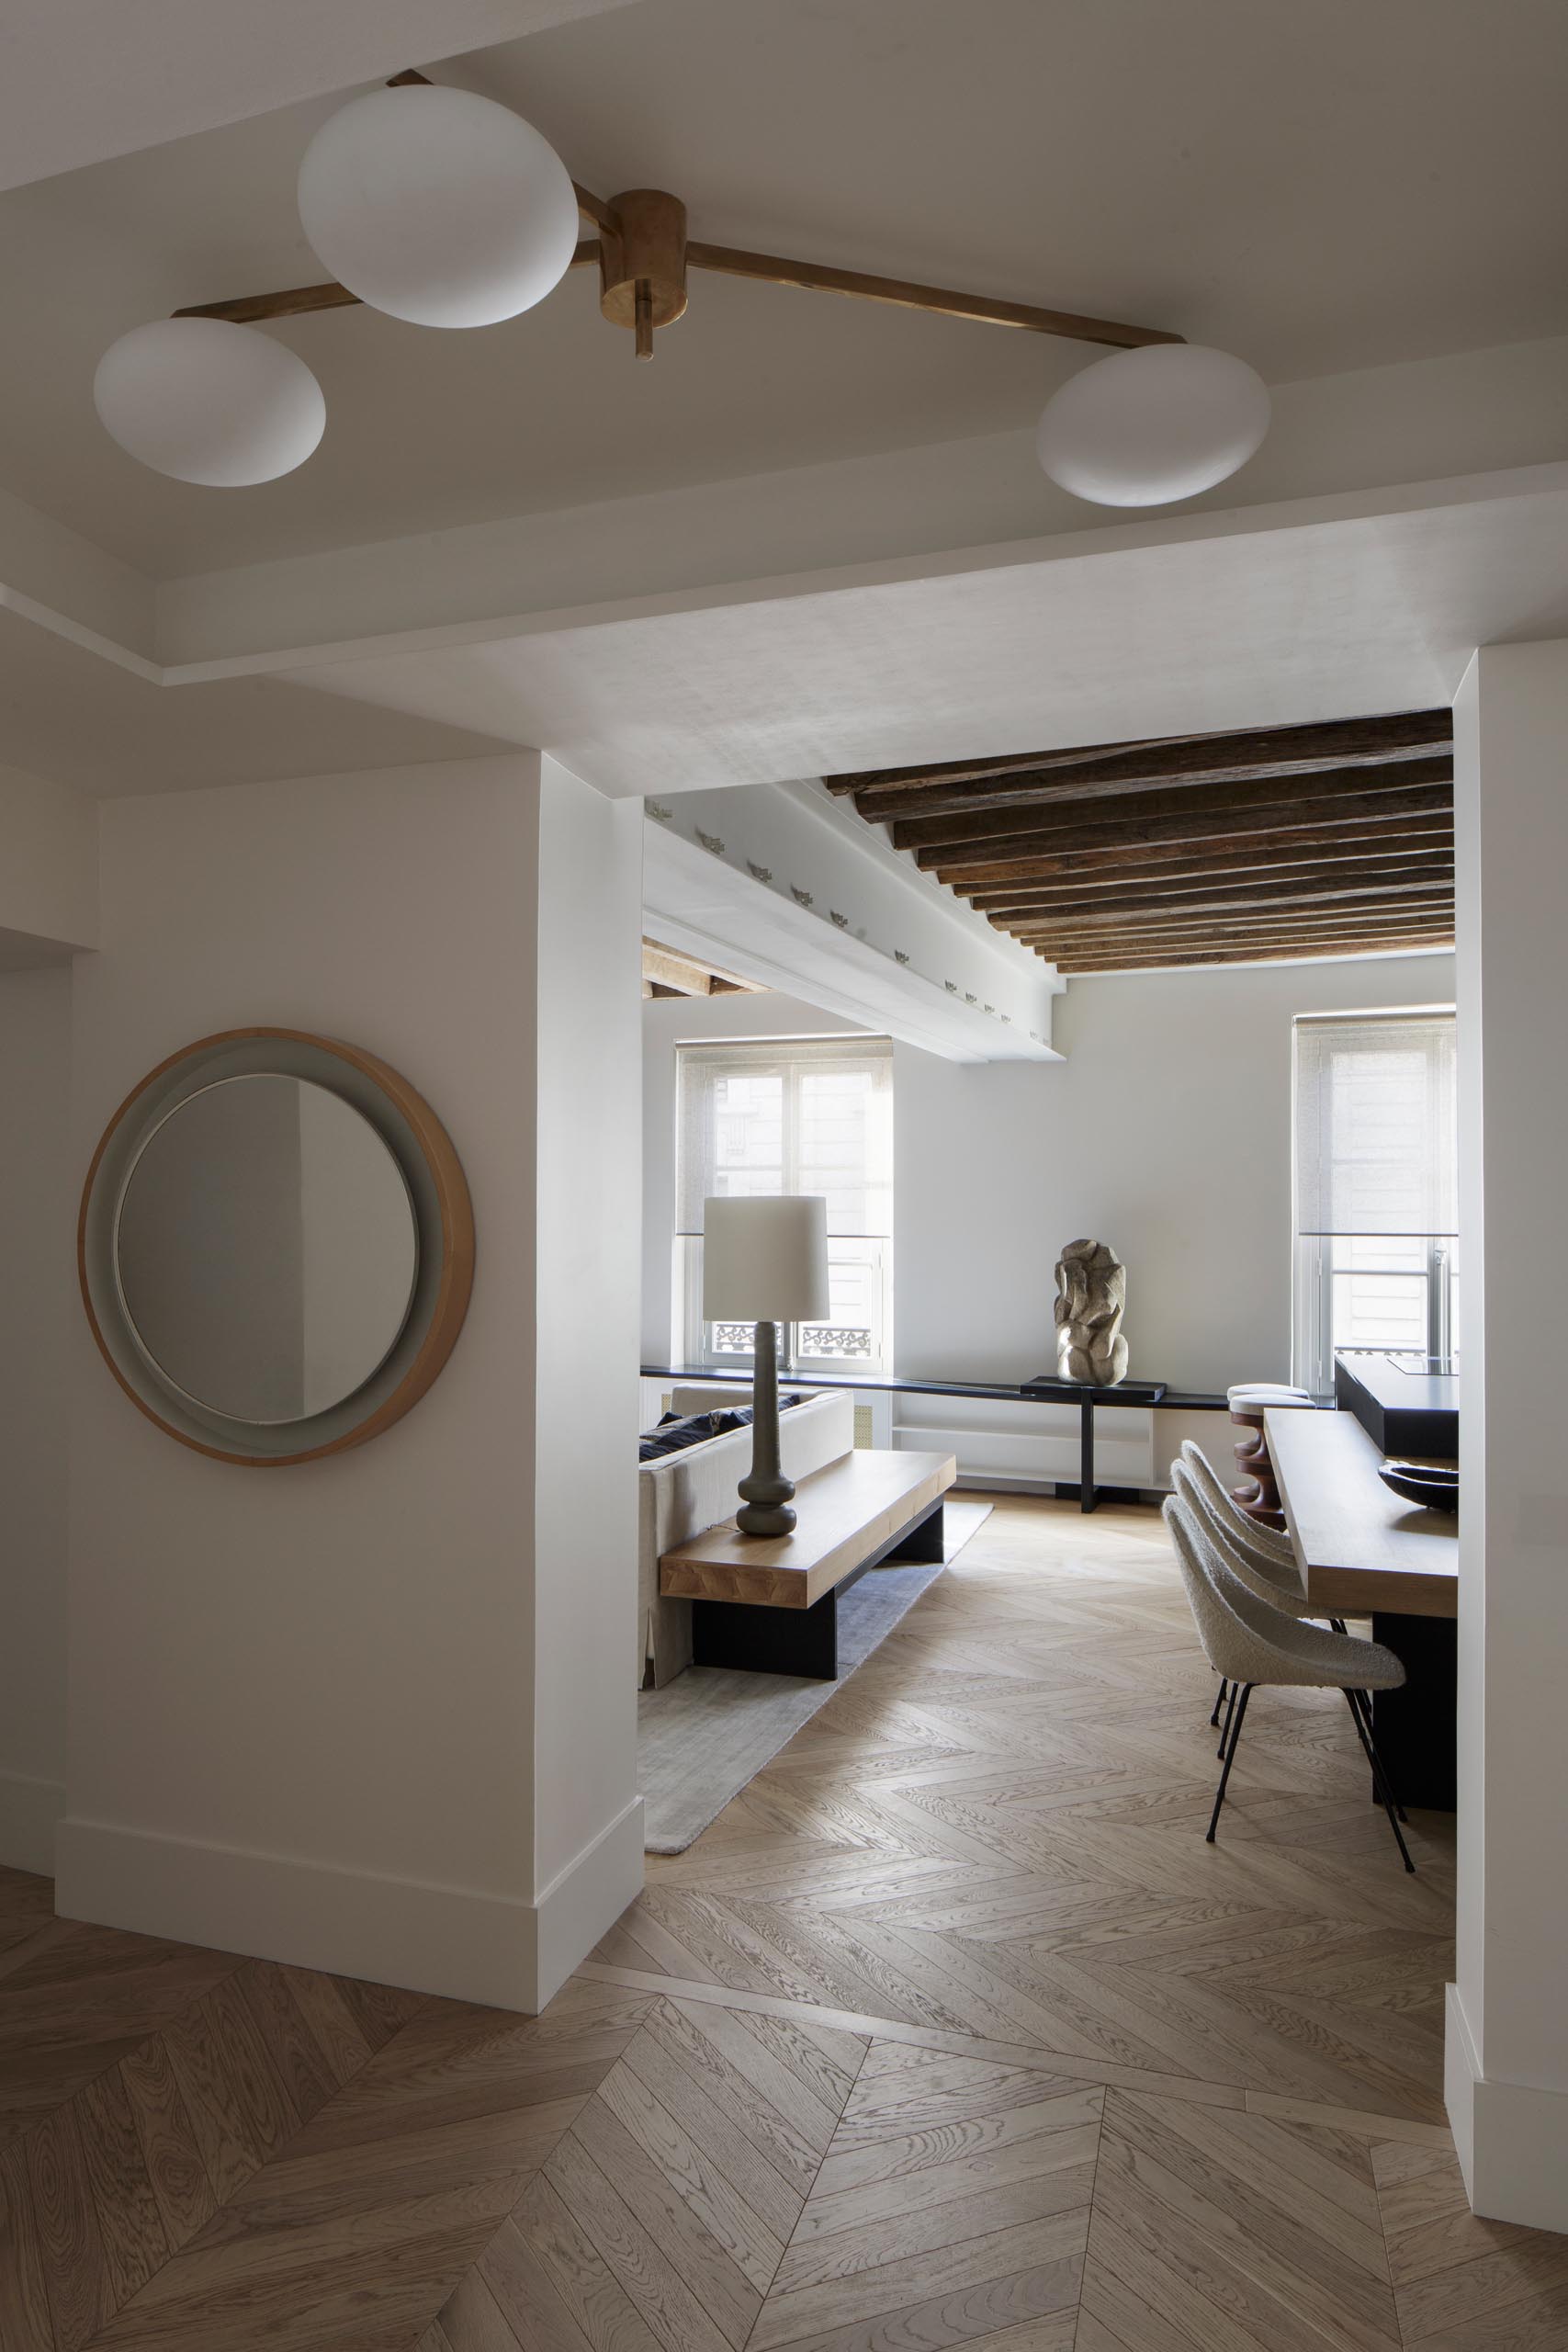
pixel 682 1494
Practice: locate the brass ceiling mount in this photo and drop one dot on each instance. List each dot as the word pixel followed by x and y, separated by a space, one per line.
pixel 642 263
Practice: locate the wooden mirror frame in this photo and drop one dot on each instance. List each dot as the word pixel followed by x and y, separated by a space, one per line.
pixel 443 1211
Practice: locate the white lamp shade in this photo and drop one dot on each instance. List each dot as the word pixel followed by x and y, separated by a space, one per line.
pixel 205 401
pixel 1148 427
pixel 438 207
pixel 765 1258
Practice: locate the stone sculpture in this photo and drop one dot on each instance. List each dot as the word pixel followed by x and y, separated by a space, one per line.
pixel 1091 1292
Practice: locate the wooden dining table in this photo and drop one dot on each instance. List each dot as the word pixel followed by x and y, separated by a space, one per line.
pixel 1364 1551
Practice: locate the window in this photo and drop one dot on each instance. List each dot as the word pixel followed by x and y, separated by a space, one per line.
pixel 793 1114
pixel 1375 1179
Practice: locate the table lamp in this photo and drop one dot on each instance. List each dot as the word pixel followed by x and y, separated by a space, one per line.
pixel 765 1261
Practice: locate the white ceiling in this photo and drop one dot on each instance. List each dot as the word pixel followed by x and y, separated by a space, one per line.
pixel 89 78
pixel 1318 188
pixel 1282 615
pixel 78 719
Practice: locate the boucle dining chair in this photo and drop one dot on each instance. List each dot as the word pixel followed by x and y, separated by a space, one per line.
pixel 1267 1542
pixel 1252 1642
pixel 1263 1560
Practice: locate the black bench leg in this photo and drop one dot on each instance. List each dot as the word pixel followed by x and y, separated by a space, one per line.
pixel 768 1641
pixel 924 1541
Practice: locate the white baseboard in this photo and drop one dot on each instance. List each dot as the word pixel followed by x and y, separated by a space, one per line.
pixel 1461 2071
pixel 583 1902
pixel 30 1810
pixel 1512 2138
pixel 461 1942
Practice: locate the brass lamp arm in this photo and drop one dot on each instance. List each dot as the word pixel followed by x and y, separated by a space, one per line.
pixel 732 261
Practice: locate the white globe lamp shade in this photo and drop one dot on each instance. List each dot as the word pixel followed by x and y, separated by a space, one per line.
pixel 207 401
pixel 438 207
pixel 1148 427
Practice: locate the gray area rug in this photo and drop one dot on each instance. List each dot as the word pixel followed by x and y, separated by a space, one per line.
pixel 707 1733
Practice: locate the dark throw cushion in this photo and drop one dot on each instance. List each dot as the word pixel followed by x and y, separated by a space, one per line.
pixel 676 1431
pixel 673 1435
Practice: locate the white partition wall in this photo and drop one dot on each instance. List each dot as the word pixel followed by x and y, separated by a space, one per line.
pixel 1507 2022
pixel 367 1713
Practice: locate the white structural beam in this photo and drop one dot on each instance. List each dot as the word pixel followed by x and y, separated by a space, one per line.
pixel 777 918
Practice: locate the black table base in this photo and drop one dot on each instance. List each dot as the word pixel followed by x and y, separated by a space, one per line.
pixel 1414 1727
pixel 1086 1491
pixel 802 1641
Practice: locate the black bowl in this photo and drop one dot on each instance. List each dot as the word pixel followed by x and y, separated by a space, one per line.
pixel 1424 1483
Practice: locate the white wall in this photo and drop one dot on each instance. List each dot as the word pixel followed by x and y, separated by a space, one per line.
pixel 302 1701
pixel 588 1240
pixel 36 1302
pixel 1166 1132
pixel 1507 2024
pixel 48 874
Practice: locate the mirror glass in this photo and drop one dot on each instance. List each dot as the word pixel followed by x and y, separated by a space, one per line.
pixel 267 1248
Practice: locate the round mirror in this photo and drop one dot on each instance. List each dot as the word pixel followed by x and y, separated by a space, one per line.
pixel 265 1249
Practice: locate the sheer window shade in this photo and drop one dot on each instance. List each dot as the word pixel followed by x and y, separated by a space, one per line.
pixel 1375 1124
pixel 789 1115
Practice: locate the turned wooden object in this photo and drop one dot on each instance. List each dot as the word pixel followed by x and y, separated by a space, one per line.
pixel 1257 1495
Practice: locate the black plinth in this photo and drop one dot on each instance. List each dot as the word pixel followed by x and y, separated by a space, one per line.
pixel 1415 1726
pixel 1404 1406
pixel 801 1641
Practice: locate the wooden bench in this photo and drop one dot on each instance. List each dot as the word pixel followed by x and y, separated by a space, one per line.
pixel 769 1603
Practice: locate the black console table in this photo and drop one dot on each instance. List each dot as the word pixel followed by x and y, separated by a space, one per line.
pixel 1144 1396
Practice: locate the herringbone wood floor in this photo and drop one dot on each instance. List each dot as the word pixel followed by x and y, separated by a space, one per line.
pixel 951 2031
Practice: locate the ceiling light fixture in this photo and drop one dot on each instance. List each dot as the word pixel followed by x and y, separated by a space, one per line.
pixel 207 401
pixel 1145 428
pixel 445 209
pixel 438 207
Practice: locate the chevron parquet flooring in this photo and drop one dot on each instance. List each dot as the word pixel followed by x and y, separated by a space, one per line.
pixel 996 1828
pixel 950 2032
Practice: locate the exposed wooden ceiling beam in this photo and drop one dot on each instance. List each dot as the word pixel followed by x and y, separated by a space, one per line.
pixel 1197 897
pixel 1293 951
pixel 1079 950
pixel 1333 837
pixel 666 972
pixel 1253 923
pixel 1312 858
pixel 1303 921
pixel 1012 764
pixel 1146 939
pixel 1116 780
pixel 1098 854
pixel 1275 864
pixel 1323 796
pixel 1333 743
pixel 1162 944
pixel 1272 754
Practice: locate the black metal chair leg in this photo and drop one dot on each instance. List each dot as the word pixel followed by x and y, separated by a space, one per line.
pixel 1230 1757
pixel 1219 1701
pixel 1380 1778
pixel 1362 1701
pixel 1224 1736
